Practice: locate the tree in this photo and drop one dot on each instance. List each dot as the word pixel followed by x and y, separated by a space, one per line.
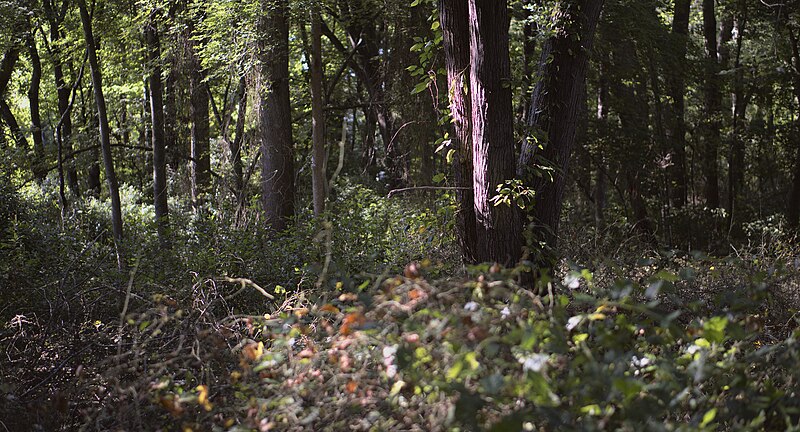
pixel 554 110
pixel 157 130
pixel 105 140
pixel 713 106
pixel 200 166
pixel 318 177
pixel 676 89
pixel 454 20
pixel 498 227
pixel 275 120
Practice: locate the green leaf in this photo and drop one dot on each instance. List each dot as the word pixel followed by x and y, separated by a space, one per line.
pixel 708 417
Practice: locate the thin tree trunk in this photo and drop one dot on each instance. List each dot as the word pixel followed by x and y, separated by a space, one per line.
pixel 676 90
pixel 39 163
pixel 713 105
pixel 275 120
pixel 236 144
pixel 454 19
pixel 554 111
pixel 6 69
pixel 498 227
pixel 158 142
pixel 200 133
pixel 318 176
pixel 736 164
pixel 105 141
pixel 793 212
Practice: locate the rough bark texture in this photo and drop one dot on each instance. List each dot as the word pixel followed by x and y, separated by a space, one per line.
pixel 275 122
pixel 158 142
pixel 200 135
pixel 498 227
pixel 105 141
pixel 713 105
pixel 554 111
pixel 454 19
pixel 236 144
pixel 318 177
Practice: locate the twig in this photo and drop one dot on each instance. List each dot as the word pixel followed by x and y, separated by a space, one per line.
pixel 244 282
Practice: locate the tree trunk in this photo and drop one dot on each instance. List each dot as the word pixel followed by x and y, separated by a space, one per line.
pixel 236 144
pixel 6 69
pixel 38 166
pixel 736 164
pixel 105 141
pixel 55 19
pixel 275 128
pixel 793 212
pixel 200 135
pixel 676 90
pixel 454 19
pixel 713 105
pixel 498 227
pixel 158 142
pixel 554 111
pixel 318 177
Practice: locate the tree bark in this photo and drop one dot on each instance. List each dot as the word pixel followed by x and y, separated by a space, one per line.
pixel 498 227
pixel 105 141
pixel 318 163
pixel 158 141
pixel 736 164
pixel 236 144
pixel 38 164
pixel 454 20
pixel 275 128
pixel 676 90
pixel 713 105
pixel 200 134
pixel 793 212
pixel 6 69
pixel 554 111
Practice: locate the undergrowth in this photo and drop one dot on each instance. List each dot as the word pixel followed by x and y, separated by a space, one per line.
pixel 233 329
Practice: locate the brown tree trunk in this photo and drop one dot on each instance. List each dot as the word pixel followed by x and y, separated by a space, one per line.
pixel 200 135
pixel 713 105
pixel 318 177
pixel 38 166
pixel 793 212
pixel 105 141
pixel 554 111
pixel 454 19
pixel 736 164
pixel 676 89
pixel 275 120
pixel 158 142
pixel 238 140
pixel 498 227
pixel 6 69
pixel 55 19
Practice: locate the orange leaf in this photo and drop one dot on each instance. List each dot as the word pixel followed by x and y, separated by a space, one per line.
pixel 351 386
pixel 171 404
pixel 329 308
pixel 416 293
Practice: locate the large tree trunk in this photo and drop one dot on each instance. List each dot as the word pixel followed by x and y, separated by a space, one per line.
pixel 38 166
pixel 157 118
pixel 105 141
pixel 454 19
pixel 498 227
pixel 554 111
pixel 318 177
pixel 713 105
pixel 275 120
